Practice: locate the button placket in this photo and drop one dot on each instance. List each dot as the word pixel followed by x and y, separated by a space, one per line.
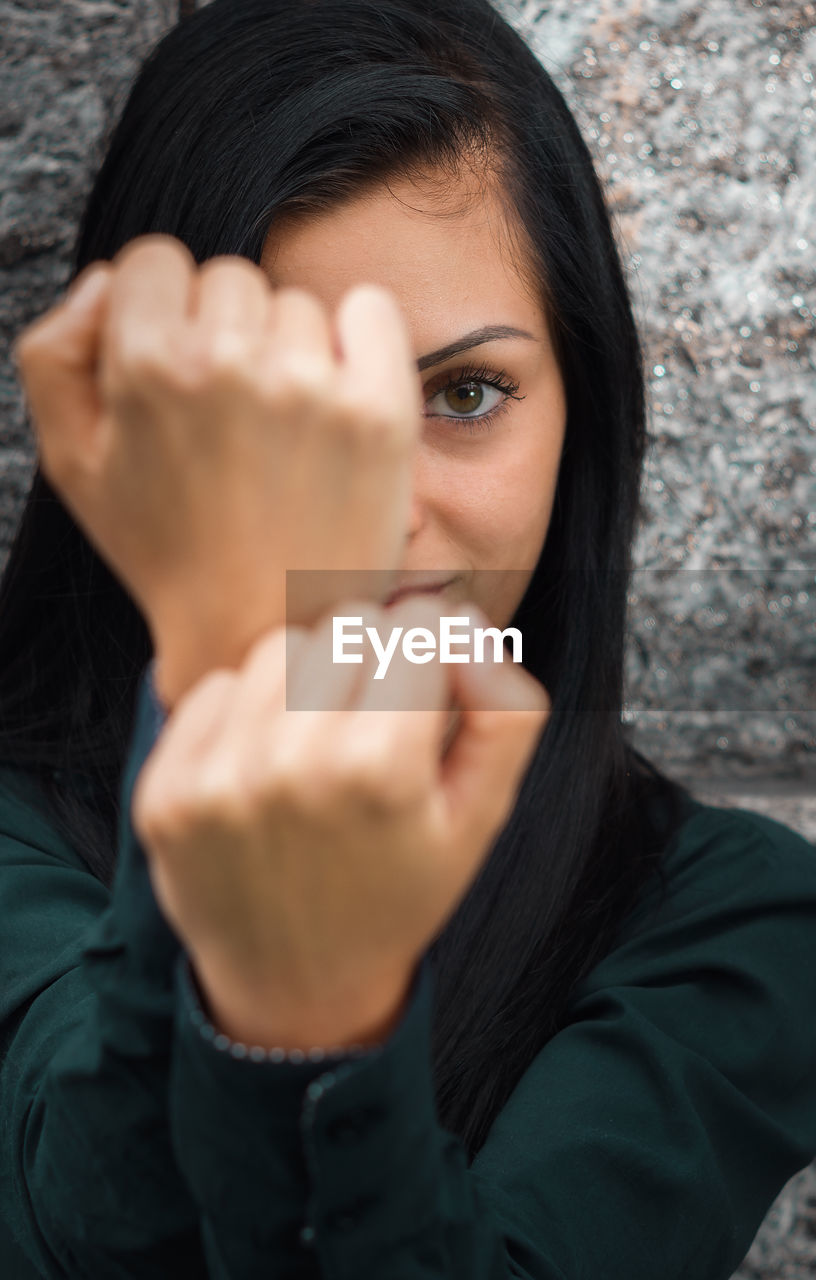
pixel 351 1215
pixel 353 1198
pixel 351 1127
pixel 314 1092
pixel 344 1130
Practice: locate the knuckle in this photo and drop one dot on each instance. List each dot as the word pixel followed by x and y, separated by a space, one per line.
pixel 154 245
pixel 158 826
pixel 368 291
pixel 31 345
pixel 371 426
pixel 269 648
pixel 290 296
pixel 59 461
pixel 218 680
pixel 155 814
pixel 286 787
pixel 156 364
pixel 231 265
pixel 140 358
pixel 257 790
pixel 372 613
pixel 21 346
pixel 224 357
pixel 219 798
pixel 367 778
pixel 300 380
pixel 208 695
pixel 399 788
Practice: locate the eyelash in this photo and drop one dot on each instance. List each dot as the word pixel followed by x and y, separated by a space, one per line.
pixel 493 378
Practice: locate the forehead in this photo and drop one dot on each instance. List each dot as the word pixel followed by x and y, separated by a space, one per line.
pixel 436 241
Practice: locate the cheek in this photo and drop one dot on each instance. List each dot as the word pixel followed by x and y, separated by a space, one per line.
pixel 496 499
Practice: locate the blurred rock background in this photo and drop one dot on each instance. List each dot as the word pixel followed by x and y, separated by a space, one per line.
pixel 702 121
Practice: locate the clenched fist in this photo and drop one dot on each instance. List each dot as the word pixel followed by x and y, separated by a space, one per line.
pixel 306 859
pixel 208 432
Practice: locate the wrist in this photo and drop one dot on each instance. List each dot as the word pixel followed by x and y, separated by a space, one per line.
pixel 332 1028
pixel 181 661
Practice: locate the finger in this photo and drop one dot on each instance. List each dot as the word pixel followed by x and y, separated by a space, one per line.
pixel 278 729
pixel 315 680
pixel 398 722
pixel 319 726
pixel 408 697
pixel 191 730
pixel 299 341
pixel 233 295
pixel 377 354
pixel 57 357
pixel 151 301
pixel 256 716
pixel 406 673
pixel 503 711
pixel 217 731
pixel 261 691
pixel 87 283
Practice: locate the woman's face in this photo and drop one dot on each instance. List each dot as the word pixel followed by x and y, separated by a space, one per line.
pixel 483 485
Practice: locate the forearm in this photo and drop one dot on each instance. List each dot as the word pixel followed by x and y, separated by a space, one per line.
pixel 95 1190
pixel 309 1168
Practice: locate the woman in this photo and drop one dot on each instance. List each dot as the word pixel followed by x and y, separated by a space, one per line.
pixel 232 1045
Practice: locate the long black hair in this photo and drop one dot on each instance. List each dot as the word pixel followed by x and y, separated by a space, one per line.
pixel 251 108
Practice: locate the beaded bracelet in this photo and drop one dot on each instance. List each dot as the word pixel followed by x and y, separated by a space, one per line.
pixel 220 1041
pixel 257 1053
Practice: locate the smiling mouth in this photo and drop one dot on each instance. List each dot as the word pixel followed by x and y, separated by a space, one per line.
pixel 418 590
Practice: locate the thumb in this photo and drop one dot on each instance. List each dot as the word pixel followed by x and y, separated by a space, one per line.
pixel 502 712
pixel 57 356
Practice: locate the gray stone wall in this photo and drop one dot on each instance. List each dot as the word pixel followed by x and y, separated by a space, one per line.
pixel 65 68
pixel 702 121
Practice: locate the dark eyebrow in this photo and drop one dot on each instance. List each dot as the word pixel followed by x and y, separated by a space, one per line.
pixel 490 333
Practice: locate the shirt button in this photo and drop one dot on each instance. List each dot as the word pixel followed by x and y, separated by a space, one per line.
pixel 343 1132
pixel 345 1219
pixel 342 1221
pixel 349 1128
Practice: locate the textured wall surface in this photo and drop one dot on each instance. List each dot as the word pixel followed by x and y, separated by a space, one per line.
pixel 703 131
pixel 64 71
pixel 702 120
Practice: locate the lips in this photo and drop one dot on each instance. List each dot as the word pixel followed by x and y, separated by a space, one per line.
pixel 429 588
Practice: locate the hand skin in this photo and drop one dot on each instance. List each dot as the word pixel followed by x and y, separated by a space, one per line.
pixel 209 432
pixel 198 555
pixel 306 859
pixel 203 558
pixel 336 1029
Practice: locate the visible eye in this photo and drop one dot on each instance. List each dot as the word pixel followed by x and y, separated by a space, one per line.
pixel 464 392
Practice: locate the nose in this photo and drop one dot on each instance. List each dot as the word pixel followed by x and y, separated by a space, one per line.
pixel 418 512
pixel 415 518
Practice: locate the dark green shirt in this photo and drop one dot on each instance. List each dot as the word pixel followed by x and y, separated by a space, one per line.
pixel 646 1141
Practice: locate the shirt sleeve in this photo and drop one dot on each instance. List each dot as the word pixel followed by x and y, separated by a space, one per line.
pixel 648 1137
pixel 88 1184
